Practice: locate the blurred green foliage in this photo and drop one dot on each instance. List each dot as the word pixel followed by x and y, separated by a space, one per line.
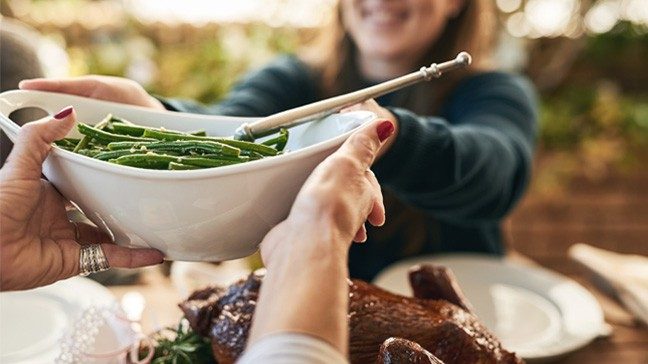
pixel 596 123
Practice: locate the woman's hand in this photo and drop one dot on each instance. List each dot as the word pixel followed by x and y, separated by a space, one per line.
pixel 38 244
pixel 341 193
pixel 107 88
pixel 382 113
pixel 305 289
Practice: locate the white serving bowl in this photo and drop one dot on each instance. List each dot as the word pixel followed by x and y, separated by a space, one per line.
pixel 198 215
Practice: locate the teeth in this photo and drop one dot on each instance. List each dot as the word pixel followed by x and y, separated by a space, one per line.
pixel 383 16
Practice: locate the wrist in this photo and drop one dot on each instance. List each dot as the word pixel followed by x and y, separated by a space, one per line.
pixel 302 240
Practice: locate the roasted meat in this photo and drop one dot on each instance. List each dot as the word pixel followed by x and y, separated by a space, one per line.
pixel 437 320
pixel 396 350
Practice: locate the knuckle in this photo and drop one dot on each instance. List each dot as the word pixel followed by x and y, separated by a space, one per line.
pixel 29 128
pixel 364 141
pixel 343 163
pixel 365 148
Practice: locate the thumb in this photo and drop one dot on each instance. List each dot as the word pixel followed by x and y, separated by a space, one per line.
pixel 34 143
pixel 364 144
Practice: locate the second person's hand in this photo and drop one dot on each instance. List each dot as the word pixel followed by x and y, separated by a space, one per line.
pixel 38 244
pixel 106 88
pixel 340 194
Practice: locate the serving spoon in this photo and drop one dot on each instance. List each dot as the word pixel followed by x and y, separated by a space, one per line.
pixel 316 110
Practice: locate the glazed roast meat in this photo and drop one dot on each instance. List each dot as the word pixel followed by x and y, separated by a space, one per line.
pixel 434 326
pixel 396 350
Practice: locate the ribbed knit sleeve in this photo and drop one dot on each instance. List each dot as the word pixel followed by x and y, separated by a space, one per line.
pixel 471 164
pixel 291 348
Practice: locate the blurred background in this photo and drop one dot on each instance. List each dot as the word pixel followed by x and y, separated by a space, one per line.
pixel 586 57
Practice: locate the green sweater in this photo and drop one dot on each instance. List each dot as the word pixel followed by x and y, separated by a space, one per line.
pixel 449 179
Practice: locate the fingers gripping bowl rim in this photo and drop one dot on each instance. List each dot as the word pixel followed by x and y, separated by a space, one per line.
pixel 207 214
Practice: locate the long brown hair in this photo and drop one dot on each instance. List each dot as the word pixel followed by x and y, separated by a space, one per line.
pixel 333 56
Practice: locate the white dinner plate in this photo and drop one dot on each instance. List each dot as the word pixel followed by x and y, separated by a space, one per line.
pixel 34 322
pixel 536 313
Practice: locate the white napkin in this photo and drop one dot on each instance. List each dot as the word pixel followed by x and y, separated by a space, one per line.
pixel 626 274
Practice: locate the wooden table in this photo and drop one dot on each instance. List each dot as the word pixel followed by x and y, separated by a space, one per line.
pixel 628 343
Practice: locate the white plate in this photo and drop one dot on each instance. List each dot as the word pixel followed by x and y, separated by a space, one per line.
pixel 33 322
pixel 536 313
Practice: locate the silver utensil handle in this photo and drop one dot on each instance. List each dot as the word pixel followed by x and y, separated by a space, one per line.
pixel 297 116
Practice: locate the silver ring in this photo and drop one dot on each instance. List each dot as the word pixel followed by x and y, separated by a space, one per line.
pixel 92 260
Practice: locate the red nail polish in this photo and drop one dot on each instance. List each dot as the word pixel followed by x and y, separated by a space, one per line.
pixel 64 113
pixel 385 129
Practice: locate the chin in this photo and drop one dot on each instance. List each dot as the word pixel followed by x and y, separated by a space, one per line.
pixel 384 52
pixel 386 44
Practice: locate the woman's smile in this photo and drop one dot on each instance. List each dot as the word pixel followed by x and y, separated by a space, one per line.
pixel 395 31
pixel 382 15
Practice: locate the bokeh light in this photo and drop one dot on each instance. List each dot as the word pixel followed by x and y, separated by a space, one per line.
pixel 549 18
pixel 509 6
pixel 602 17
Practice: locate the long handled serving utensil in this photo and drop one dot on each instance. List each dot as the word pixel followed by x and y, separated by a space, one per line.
pixel 303 114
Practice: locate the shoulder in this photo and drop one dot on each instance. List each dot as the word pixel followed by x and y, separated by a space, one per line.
pixel 493 90
pixel 496 83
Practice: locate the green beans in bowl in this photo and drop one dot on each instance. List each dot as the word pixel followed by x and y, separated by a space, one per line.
pixel 117 140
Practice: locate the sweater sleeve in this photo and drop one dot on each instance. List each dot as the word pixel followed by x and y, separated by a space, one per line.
pixel 471 165
pixel 283 84
pixel 291 348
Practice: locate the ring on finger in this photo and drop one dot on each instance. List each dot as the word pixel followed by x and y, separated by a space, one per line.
pixel 92 259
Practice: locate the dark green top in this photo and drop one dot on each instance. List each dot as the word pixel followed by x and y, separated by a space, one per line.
pixel 449 179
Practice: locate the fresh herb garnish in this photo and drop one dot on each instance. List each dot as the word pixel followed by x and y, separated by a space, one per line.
pixel 181 345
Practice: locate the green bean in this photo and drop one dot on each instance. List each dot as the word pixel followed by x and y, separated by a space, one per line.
pixel 252 155
pixel 112 154
pixel 106 137
pixel 149 160
pixel 74 141
pixel 160 161
pixel 67 143
pixel 138 131
pixel 243 145
pixel 240 159
pixel 89 152
pixel 117 119
pixel 87 138
pixel 127 129
pixel 182 146
pixel 180 167
pixel 279 142
pixel 125 145
pixel 208 162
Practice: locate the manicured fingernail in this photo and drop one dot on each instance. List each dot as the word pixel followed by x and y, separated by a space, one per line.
pixel 385 129
pixel 64 113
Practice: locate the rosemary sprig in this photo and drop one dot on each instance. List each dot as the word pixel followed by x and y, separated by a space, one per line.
pixel 181 345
